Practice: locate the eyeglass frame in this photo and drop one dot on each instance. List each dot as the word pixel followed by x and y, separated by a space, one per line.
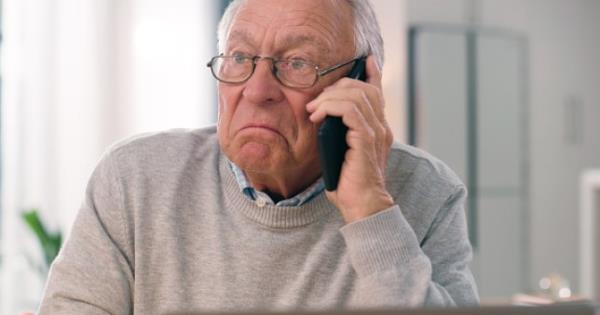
pixel 319 73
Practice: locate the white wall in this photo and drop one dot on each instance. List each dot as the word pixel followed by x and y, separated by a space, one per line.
pixel 77 76
pixel 564 70
pixel 392 19
pixel 171 43
pixel 564 64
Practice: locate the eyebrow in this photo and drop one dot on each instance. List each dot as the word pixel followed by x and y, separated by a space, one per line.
pixel 241 35
pixel 294 41
pixel 289 41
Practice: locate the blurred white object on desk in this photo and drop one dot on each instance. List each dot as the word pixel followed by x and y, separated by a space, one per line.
pixel 555 287
pixel 552 289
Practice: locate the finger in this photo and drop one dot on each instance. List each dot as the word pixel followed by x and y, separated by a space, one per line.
pixel 334 98
pixel 373 72
pixel 383 133
pixel 371 131
pixel 336 103
pixel 373 94
pixel 374 76
pixel 354 95
pixel 335 108
pixel 352 117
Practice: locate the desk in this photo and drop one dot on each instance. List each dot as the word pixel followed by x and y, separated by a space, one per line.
pixel 570 309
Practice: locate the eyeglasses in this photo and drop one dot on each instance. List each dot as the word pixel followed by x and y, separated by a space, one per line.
pixel 294 73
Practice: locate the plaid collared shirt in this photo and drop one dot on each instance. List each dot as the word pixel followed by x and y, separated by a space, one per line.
pixel 262 198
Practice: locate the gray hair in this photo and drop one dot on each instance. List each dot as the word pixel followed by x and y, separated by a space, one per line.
pixel 367 34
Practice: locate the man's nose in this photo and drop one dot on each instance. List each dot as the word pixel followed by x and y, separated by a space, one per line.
pixel 263 87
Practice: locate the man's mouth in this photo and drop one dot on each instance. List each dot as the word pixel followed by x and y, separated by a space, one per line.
pixel 261 126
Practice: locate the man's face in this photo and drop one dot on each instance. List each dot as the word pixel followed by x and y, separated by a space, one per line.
pixel 263 126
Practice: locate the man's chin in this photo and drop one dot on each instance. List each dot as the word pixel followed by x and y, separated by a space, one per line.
pixel 256 157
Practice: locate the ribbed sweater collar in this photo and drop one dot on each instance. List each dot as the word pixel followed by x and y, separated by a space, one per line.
pixel 270 215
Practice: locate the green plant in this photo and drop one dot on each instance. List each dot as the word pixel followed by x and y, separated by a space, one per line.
pixel 49 241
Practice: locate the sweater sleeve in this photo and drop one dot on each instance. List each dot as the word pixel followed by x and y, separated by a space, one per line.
pixel 93 273
pixel 394 270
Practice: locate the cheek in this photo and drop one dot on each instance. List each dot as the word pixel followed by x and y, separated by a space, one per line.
pixel 228 97
pixel 299 101
pixel 305 128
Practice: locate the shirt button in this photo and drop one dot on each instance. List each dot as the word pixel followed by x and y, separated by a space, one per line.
pixel 260 202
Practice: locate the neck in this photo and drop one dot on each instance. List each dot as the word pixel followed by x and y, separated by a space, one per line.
pixel 283 185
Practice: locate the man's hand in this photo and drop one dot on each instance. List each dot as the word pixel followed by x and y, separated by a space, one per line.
pixel 361 189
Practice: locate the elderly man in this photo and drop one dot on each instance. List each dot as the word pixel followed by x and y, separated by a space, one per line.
pixel 236 217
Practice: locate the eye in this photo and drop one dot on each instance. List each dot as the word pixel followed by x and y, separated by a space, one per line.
pixel 240 58
pixel 299 64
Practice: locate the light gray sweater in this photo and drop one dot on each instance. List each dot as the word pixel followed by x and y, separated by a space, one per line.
pixel 164 228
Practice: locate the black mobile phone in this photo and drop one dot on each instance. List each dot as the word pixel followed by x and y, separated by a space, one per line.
pixel 331 138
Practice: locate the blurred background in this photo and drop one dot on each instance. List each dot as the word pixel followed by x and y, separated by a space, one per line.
pixel 507 92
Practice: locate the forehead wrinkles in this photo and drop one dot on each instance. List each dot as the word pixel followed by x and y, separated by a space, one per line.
pixel 324 24
pixel 308 28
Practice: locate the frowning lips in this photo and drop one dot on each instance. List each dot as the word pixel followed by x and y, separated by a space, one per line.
pixel 265 127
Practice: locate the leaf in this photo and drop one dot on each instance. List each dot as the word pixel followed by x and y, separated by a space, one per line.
pixel 50 242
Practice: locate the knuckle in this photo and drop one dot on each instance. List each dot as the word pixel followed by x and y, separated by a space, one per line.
pixel 359 94
pixel 380 99
pixel 382 132
pixel 370 133
pixel 389 137
pixel 345 82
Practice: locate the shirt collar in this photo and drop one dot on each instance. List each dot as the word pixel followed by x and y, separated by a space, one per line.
pixel 259 196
